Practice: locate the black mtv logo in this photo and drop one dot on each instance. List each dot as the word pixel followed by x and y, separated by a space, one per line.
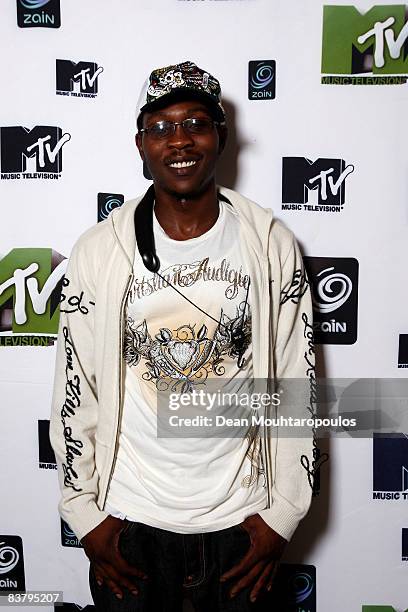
pixel 390 462
pixel 12 576
pixel 300 175
pixel 38 13
pixel 107 202
pixel 83 74
pixel 334 284
pixel 403 351
pixel 404 544
pixel 46 453
pixel 43 142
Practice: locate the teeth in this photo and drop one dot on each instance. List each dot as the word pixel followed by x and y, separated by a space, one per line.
pixel 182 164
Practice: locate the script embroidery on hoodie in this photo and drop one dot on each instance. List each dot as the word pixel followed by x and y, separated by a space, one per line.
pixel 312 469
pixel 296 289
pixel 74 301
pixel 71 403
pixel 254 456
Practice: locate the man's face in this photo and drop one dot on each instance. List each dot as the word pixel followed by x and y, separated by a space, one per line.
pixel 200 151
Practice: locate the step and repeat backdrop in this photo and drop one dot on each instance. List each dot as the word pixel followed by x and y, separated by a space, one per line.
pixel 316 96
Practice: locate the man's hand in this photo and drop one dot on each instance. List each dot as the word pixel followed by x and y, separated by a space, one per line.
pixel 258 567
pixel 101 547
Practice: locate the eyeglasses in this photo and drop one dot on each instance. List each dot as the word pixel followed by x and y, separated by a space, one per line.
pixel 192 125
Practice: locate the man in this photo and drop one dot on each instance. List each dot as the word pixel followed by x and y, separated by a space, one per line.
pixel 187 285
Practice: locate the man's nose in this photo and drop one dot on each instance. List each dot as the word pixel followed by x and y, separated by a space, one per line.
pixel 180 138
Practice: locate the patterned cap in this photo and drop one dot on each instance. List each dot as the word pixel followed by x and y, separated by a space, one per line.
pixel 169 82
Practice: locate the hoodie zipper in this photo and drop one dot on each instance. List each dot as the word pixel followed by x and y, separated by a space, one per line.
pixel 268 473
pixel 120 395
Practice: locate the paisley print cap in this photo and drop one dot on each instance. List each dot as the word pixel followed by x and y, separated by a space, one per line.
pixel 173 83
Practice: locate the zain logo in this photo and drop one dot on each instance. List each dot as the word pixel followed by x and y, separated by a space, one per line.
pixel 333 289
pixel 334 282
pixel 302 586
pixel 68 531
pixel 33 4
pixel 38 13
pixel 261 79
pixel 8 558
pixel 110 204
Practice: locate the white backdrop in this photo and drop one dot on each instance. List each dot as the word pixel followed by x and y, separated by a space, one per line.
pixel 354 541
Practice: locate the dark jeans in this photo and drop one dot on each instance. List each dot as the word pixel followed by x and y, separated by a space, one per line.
pixel 180 566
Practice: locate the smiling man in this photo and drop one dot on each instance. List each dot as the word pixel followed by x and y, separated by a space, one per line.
pixel 189 284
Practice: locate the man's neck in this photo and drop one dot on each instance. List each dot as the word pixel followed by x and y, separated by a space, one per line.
pixel 184 217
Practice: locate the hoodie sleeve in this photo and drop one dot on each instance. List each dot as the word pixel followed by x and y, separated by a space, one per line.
pixel 293 356
pixel 75 399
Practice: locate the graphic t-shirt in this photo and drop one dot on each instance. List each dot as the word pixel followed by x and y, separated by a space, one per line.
pixel 181 342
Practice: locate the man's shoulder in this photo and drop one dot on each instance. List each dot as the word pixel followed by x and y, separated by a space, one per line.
pixel 245 205
pixel 261 219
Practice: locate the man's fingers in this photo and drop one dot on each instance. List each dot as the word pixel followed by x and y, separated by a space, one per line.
pixel 248 579
pixel 122 565
pixel 271 578
pixel 105 571
pixel 124 568
pixel 263 579
pixel 116 581
pixel 240 568
pixel 98 573
pixel 117 591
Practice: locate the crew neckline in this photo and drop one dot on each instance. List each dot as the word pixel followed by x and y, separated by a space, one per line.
pixel 220 219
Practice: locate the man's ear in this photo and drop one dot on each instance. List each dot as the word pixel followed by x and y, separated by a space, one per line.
pixel 222 137
pixel 138 140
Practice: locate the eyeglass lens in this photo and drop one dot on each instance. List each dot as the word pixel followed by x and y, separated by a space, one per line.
pixel 161 129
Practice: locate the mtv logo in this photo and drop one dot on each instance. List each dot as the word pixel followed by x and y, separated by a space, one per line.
pixel 45 451
pixel 379 609
pixel 43 142
pixel 81 75
pixel 403 351
pixel 370 42
pixel 390 462
pixel 300 175
pixel 30 291
pixel 404 544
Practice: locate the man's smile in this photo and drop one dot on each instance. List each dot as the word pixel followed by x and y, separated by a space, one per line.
pixel 184 164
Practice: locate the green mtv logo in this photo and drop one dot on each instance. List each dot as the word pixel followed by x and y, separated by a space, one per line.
pixel 373 42
pixel 30 288
pixel 379 609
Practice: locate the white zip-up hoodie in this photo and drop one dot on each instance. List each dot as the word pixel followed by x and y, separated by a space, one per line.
pixel 89 375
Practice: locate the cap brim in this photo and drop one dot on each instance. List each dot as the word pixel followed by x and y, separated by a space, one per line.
pixel 180 94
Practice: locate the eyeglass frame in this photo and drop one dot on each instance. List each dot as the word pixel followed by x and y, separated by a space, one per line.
pixel 176 123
